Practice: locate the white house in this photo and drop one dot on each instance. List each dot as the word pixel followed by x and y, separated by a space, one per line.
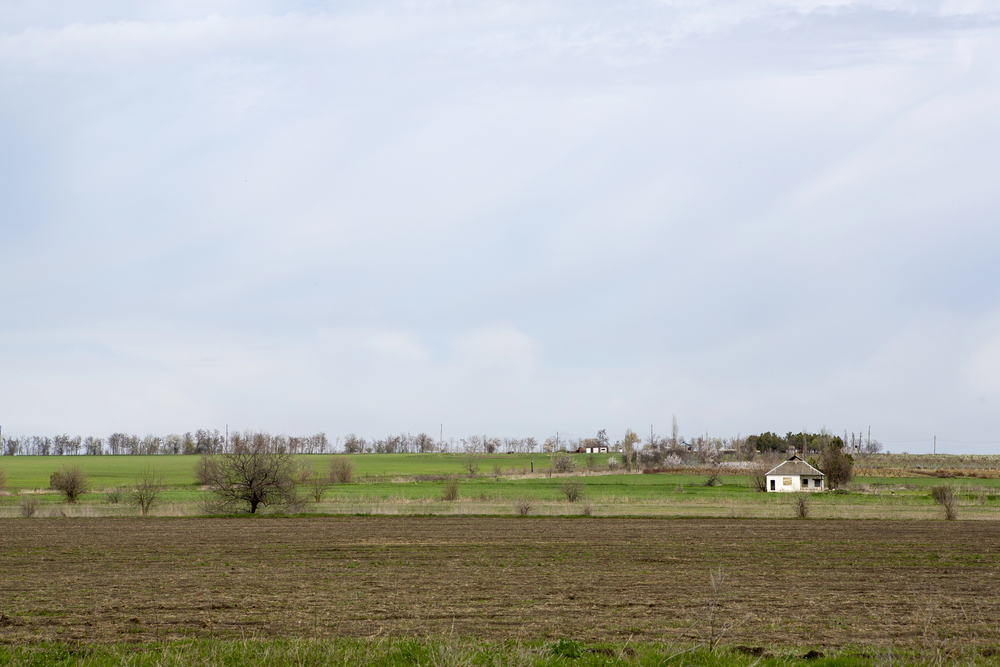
pixel 794 475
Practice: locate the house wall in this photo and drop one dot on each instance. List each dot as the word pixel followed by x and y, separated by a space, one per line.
pixel 795 485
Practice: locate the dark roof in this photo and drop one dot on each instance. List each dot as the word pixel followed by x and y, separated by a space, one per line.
pixel 795 466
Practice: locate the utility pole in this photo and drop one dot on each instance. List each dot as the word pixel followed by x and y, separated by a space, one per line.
pixel 869 446
pixel 227 437
pixel 441 438
pixel 935 444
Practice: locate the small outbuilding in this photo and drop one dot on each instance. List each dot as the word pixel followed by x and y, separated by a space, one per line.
pixel 795 475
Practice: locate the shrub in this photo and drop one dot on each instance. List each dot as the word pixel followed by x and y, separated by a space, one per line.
pixel 944 495
pixel 572 491
pixel 29 505
pixel 70 482
pixel 802 506
pixel 564 463
pixel 614 462
pixel 592 463
pixel 146 489
pixel 588 509
pixel 713 479
pixel 450 491
pixel 524 507
pixel 318 483
pixel 113 495
pixel 341 470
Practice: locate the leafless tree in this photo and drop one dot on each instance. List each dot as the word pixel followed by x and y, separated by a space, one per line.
pixel 70 481
pixel 424 443
pixel 472 453
pixel 757 471
pixel 93 446
pixel 318 483
pixel 146 488
pixel 353 444
pixel 257 472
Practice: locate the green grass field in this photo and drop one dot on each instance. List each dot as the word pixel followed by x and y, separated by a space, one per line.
pixel 414 484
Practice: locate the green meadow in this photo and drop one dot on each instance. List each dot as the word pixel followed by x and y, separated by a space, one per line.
pixel 414 484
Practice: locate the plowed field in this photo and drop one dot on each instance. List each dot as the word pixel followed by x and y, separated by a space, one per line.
pixel 825 583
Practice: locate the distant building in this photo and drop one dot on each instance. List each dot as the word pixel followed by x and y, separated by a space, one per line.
pixel 795 475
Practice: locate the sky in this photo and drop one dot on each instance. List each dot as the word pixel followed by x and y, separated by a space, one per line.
pixel 503 218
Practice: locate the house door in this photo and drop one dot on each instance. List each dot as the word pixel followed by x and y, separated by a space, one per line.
pixel 772 485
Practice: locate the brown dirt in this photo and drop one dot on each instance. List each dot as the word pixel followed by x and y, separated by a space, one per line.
pixel 822 583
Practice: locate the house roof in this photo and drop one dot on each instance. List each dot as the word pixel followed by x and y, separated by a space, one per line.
pixel 795 466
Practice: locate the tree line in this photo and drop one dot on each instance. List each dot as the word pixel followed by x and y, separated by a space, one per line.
pixel 201 441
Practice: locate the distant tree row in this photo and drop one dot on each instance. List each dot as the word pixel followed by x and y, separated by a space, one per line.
pixel 812 443
pixel 201 441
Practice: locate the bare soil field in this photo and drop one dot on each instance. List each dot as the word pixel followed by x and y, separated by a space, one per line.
pixel 828 583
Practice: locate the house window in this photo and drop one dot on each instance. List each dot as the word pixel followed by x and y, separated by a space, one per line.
pixel 772 485
pixel 786 481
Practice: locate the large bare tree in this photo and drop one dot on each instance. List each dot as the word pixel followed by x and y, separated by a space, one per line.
pixel 256 472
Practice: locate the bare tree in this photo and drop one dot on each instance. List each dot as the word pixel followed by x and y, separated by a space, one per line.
pixel 257 472
pixel 93 446
pixel 472 453
pixel 318 483
pixel 70 481
pixel 353 444
pixel 146 488
pixel 424 443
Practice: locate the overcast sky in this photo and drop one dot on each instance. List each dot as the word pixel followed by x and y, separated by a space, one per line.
pixel 512 218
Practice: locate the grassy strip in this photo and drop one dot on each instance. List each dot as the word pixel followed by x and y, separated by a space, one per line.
pixel 389 652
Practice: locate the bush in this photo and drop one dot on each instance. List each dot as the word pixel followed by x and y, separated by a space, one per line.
pixel 341 470
pixel 564 463
pixel 573 491
pixel 146 488
pixel 944 495
pixel 113 496
pixel 588 509
pixel 70 482
pixel 450 492
pixel 802 506
pixel 614 462
pixel 524 507
pixel 318 484
pixel 713 479
pixel 29 505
